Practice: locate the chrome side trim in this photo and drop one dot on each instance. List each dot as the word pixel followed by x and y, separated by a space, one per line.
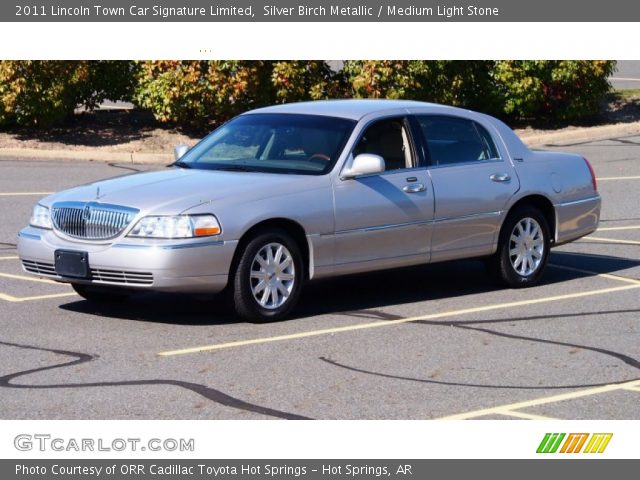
pixel 578 202
pixel 30 236
pixel 418 223
pixel 381 227
pixel 467 162
pixel 465 217
pixel 173 246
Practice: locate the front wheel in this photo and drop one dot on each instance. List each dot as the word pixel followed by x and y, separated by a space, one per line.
pixel 523 248
pixel 268 277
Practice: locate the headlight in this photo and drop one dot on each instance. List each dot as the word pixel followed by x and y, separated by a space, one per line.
pixel 177 226
pixel 40 217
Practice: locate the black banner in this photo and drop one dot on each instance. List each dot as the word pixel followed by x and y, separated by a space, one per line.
pixel 314 469
pixel 319 11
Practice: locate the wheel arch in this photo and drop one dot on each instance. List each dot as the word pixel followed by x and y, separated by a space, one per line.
pixel 543 204
pixel 291 227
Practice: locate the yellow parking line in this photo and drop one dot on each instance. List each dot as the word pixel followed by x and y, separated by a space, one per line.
pixel 11 257
pixel 613 240
pixel 526 416
pixel 632 389
pixel 29 279
pixel 542 401
pixel 10 298
pixel 20 194
pixel 604 179
pixel 613 229
pixel 609 276
pixel 388 323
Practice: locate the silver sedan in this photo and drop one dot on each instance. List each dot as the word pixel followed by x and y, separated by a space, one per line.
pixel 286 194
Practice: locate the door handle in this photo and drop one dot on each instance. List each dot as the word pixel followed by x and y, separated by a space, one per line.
pixel 500 177
pixel 414 188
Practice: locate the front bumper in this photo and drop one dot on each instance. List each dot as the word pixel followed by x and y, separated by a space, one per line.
pixel 189 265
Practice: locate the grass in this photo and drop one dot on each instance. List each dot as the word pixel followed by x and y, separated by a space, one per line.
pixel 627 93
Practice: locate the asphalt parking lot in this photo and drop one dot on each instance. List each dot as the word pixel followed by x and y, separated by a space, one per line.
pixel 423 343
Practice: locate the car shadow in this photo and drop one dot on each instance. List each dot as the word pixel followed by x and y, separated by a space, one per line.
pixel 352 293
pixel 438 281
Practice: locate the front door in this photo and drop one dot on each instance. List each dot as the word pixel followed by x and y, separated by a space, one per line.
pixel 384 219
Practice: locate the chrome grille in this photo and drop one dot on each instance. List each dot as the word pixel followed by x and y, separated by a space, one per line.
pixel 92 220
pixel 122 277
pixel 39 268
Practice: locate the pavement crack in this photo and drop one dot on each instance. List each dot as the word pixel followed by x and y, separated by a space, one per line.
pixel 375 314
pixel 209 393
pixel 469 325
pixel 632 362
pixel 463 384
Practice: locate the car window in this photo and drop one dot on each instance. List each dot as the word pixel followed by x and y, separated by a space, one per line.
pixel 452 140
pixel 279 143
pixel 389 139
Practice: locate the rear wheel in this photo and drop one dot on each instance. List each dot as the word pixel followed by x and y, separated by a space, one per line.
pixel 523 248
pixel 268 277
pixel 98 294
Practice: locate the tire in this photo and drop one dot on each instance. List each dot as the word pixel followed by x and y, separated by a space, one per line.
pixel 523 249
pixel 98 294
pixel 268 277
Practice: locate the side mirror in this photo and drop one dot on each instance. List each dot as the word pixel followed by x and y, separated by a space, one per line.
pixel 180 150
pixel 364 164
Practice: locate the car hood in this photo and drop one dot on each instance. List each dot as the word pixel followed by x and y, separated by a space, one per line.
pixel 174 191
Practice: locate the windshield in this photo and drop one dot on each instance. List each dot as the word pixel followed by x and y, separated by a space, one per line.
pixel 278 143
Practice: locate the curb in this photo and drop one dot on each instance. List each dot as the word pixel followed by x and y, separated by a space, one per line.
pixel 580 134
pixel 89 155
pixel 96 155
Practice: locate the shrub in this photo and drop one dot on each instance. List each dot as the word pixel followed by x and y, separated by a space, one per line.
pixel 296 81
pixel 44 93
pixel 459 83
pixel 108 80
pixel 200 93
pixel 39 93
pixel 562 90
pixel 467 84
pixel 204 93
pixel 394 79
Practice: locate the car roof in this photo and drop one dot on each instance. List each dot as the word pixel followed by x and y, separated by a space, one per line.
pixel 354 109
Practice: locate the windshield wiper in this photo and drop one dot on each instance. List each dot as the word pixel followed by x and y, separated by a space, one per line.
pixel 236 168
pixel 180 164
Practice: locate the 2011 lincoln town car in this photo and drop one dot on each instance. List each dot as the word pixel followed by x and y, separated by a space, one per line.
pixel 289 193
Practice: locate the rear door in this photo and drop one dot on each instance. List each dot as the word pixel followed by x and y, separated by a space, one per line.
pixel 473 180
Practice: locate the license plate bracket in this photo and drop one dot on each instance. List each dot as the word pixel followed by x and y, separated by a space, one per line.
pixel 72 263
